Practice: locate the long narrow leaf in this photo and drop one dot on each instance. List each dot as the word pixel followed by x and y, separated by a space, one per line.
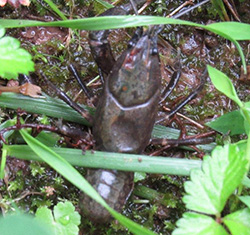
pixel 234 30
pixel 227 30
pixel 55 9
pixel 118 161
pixel 48 106
pixel 105 4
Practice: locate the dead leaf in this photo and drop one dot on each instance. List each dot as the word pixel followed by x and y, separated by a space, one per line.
pixel 15 3
pixel 2 2
pixel 30 90
pixel 27 89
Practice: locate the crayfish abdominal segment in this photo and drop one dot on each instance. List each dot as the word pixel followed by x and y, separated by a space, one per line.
pixel 124 120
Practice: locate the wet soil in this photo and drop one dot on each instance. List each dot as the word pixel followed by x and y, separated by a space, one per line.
pixel 54 48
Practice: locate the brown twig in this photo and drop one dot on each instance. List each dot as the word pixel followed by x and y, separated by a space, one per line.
pixel 190 2
pixel 185 117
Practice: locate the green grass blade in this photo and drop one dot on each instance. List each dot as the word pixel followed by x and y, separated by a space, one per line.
pixel 6 124
pixel 48 106
pixel 60 165
pixel 233 30
pixel 230 30
pixel 105 4
pixel 3 163
pixel 73 176
pixel 118 161
pixel 98 23
pixel 55 9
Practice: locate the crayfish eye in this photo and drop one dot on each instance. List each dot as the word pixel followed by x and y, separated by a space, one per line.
pixel 131 44
pixel 154 51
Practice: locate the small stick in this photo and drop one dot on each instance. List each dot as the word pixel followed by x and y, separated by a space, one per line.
pixel 185 117
pixel 190 9
pixel 232 9
pixel 178 142
pixel 191 2
pixel 146 4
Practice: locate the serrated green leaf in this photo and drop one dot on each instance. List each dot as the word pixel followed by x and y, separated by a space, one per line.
pixel 238 222
pixel 65 220
pixel 45 215
pixel 13 59
pixel 209 188
pixel 223 84
pixel 66 215
pixel 197 224
pixel 245 200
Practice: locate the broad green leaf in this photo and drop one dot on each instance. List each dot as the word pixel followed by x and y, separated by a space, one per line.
pixel 246 200
pixel 236 30
pixel 209 188
pixel 13 59
pixel 22 224
pixel 223 84
pixel 197 224
pixel 232 123
pixel 246 182
pixel 238 222
pixel 73 176
pixel 235 122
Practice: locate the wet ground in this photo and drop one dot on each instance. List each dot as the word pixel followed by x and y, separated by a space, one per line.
pixel 54 48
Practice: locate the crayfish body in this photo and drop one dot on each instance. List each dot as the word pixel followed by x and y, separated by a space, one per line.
pixel 124 120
